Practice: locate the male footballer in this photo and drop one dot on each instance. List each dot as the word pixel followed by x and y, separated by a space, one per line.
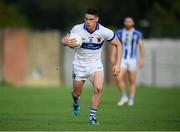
pixel 131 39
pixel 87 63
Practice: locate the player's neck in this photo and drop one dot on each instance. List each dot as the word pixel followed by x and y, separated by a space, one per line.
pixel 129 29
pixel 92 29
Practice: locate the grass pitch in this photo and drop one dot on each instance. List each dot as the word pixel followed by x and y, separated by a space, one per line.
pixel 50 109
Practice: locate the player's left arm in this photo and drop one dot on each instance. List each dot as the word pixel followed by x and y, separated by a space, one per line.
pixel 141 50
pixel 118 47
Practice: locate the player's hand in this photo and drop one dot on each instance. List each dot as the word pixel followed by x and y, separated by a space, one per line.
pixel 140 64
pixel 116 69
pixel 69 42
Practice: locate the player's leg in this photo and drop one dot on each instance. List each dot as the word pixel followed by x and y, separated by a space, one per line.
pixel 132 83
pixel 121 84
pixel 77 90
pixel 97 80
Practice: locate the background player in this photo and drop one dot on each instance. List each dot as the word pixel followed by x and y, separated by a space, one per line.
pixel 130 39
pixel 87 61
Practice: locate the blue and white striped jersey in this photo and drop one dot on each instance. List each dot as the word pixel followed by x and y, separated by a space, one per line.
pixel 129 40
pixel 91 47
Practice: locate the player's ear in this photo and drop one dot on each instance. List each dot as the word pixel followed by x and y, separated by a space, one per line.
pixel 97 19
pixel 133 23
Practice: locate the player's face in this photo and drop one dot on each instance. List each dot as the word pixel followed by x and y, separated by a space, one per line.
pixel 90 21
pixel 128 23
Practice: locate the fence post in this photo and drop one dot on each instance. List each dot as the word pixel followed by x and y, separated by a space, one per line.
pixel 154 67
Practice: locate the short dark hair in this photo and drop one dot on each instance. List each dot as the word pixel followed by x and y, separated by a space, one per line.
pixel 92 11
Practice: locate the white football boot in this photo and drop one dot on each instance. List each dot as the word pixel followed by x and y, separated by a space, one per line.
pixel 131 102
pixel 122 101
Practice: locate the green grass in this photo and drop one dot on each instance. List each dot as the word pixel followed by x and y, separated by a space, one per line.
pixel 50 109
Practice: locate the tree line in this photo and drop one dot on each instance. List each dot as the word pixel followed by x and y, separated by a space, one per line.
pixel 155 18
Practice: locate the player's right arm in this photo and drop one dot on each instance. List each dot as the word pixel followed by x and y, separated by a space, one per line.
pixel 69 42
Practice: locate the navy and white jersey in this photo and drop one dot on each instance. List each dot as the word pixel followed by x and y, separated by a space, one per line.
pixel 129 40
pixel 91 47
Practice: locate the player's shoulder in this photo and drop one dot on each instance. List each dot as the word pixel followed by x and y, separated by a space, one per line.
pixel 78 26
pixel 120 30
pixel 107 33
pixel 138 32
pixel 103 28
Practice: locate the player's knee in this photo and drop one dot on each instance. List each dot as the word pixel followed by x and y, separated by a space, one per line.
pixel 76 94
pixel 119 78
pixel 132 84
pixel 98 90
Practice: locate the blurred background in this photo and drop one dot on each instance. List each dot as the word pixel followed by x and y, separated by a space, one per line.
pixel 31 52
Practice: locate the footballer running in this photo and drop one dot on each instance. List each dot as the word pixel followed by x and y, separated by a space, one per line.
pixel 87 63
